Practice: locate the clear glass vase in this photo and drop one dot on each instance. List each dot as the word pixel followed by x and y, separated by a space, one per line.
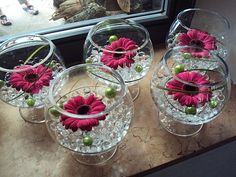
pixel 122 45
pixel 201 28
pixel 89 112
pixel 189 92
pixel 28 64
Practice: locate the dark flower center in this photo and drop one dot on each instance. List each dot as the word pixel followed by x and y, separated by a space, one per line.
pixel 82 110
pixel 32 77
pixel 118 55
pixel 190 88
pixel 197 43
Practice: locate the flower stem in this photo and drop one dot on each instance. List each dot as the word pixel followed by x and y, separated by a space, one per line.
pixel 31 56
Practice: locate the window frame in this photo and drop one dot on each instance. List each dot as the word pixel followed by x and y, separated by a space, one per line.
pixel 69 38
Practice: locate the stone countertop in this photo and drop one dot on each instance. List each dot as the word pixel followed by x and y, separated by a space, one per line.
pixel 27 150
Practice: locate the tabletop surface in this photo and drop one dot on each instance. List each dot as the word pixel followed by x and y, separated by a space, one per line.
pixel 27 150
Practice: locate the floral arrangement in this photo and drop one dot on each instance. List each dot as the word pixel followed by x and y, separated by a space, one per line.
pixel 123 54
pixel 188 95
pixel 119 53
pixel 196 38
pixel 83 106
pixel 190 89
pixel 194 94
pixel 28 82
pixel 31 80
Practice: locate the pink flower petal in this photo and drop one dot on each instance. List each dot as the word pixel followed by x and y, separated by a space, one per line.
pixel 125 59
pixel 183 39
pixel 89 100
pixel 73 126
pixel 177 95
pixel 96 106
pixel 67 122
pixel 185 97
pixel 207 41
pixel 18 79
pixel 99 108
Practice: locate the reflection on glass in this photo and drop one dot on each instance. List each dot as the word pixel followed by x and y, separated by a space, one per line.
pixel 52 13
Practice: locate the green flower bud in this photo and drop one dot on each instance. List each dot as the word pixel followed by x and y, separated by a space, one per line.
pixel 110 92
pixel 186 55
pixel 191 110
pixel 112 38
pixel 89 60
pixel 51 64
pixel 213 104
pixel 179 68
pixel 138 68
pixel 30 102
pixel 2 83
pixel 88 140
pixel 54 112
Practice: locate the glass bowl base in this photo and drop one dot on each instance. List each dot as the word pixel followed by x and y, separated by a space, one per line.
pixel 33 115
pixel 95 159
pixel 134 91
pixel 178 128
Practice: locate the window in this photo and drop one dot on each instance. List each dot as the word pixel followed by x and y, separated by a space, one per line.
pixel 155 15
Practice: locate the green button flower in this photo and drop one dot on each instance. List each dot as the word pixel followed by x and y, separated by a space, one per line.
pixel 87 140
pixel 138 68
pixel 112 38
pixel 30 102
pixel 110 92
pixel 190 110
pixel 179 68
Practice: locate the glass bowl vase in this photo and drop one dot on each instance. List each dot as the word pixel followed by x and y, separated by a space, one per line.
pixel 189 92
pixel 28 64
pixel 89 111
pixel 201 28
pixel 122 45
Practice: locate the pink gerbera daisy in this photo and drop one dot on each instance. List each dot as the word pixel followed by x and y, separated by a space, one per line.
pixel 83 106
pixel 31 80
pixel 114 59
pixel 189 95
pixel 197 38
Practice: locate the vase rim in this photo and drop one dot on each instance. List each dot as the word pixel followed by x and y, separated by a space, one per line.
pixel 224 19
pixel 217 57
pixel 5 44
pixel 122 21
pixel 115 74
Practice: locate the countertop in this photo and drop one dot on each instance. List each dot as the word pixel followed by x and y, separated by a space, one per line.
pixel 27 150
